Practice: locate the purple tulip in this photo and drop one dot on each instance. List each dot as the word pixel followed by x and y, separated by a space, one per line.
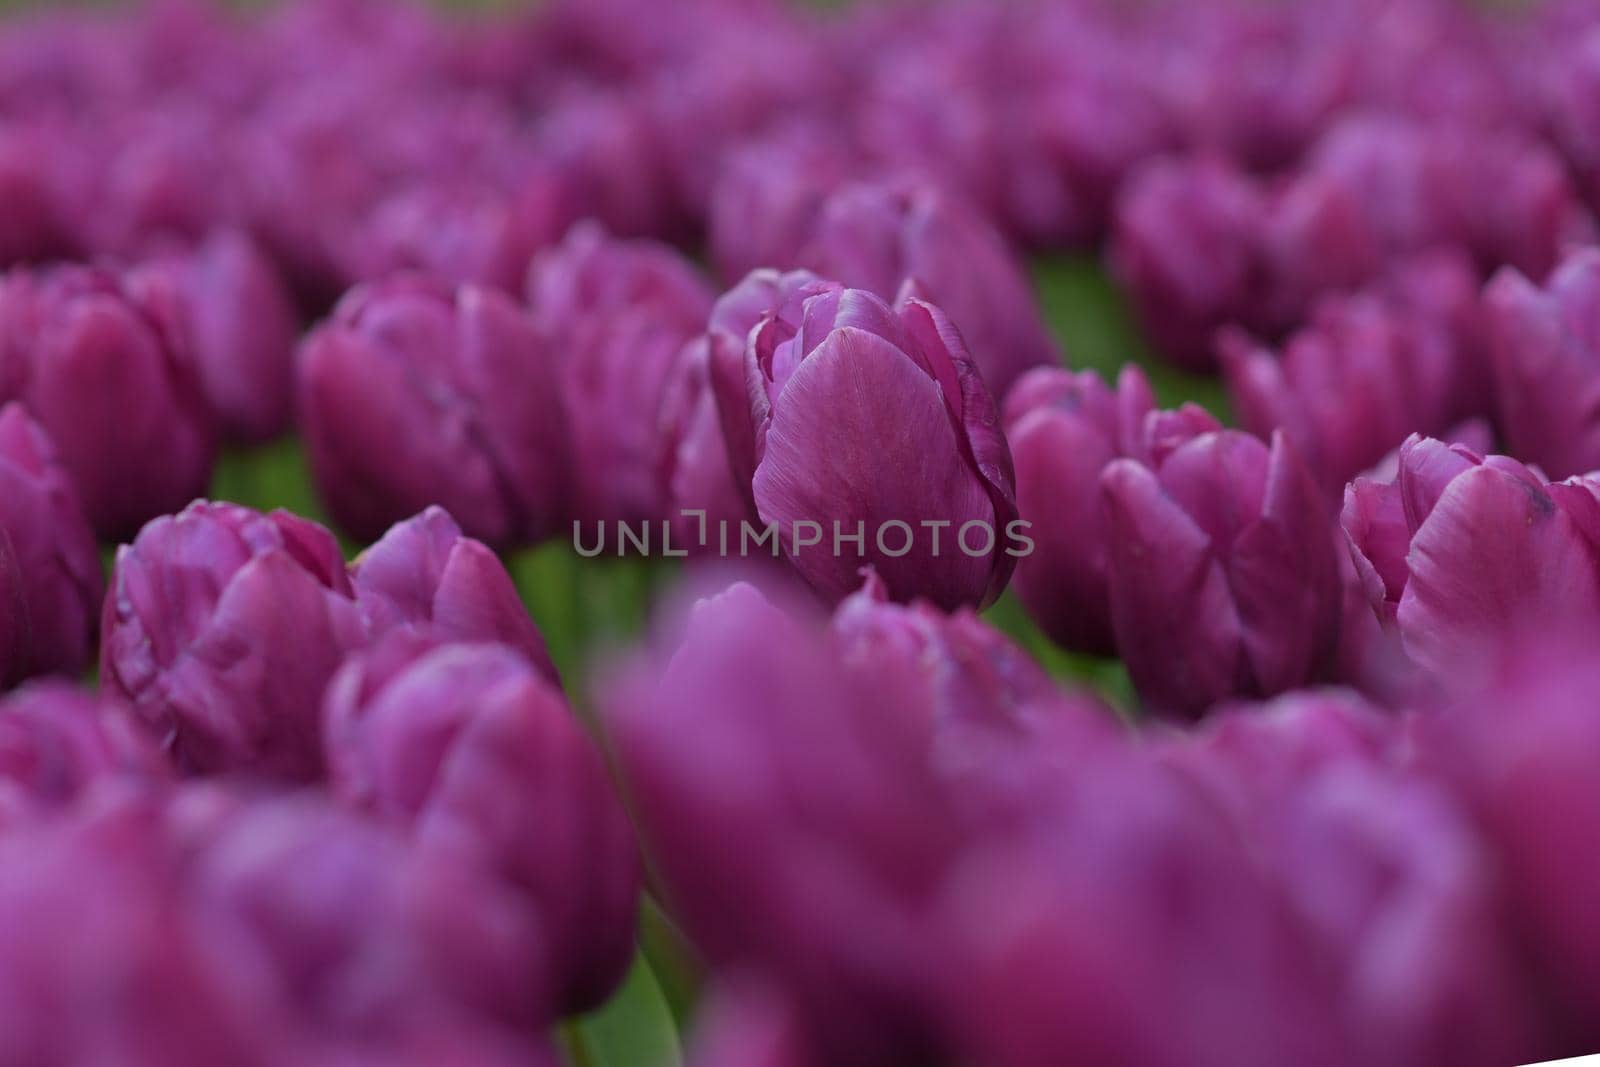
pixel 109 377
pixel 1199 244
pixel 424 574
pixel 222 628
pixel 348 927
pixel 860 417
pixel 747 1026
pixel 57 743
pixel 1457 551
pixel 1064 428
pixel 475 749
pixel 412 395
pixel 1402 356
pixel 1221 570
pixel 37 223
pixel 1547 364
pixel 620 314
pixel 878 235
pixel 242 326
pixel 696 471
pixel 50 579
pixel 1501 195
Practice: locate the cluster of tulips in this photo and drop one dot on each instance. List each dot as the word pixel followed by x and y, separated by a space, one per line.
pixel 743 285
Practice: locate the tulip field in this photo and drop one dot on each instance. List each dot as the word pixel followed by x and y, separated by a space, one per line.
pixel 765 533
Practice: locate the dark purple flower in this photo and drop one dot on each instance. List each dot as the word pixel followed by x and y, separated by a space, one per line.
pixel 50 579
pixel 37 223
pixel 1064 428
pixel 619 315
pixel 57 743
pixel 109 376
pixel 859 416
pixel 476 750
pixel 1402 356
pixel 222 628
pixel 1546 352
pixel 413 394
pixel 879 235
pixel 1457 551
pixel 1221 570
pixel 242 327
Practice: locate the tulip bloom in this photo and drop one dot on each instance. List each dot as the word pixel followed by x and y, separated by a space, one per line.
pixel 242 325
pixel 413 394
pixel 1221 570
pixel 50 580
pixel 1064 428
pixel 619 315
pixel 1547 364
pixel 862 417
pixel 478 752
pixel 109 376
pixel 877 236
pixel 1458 550
pixel 222 628
pixel 1401 356
pixel 57 743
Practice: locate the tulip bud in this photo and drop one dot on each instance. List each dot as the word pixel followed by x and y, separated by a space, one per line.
pixel 242 325
pixel 876 236
pixel 696 472
pixel 1408 347
pixel 412 395
pixel 50 579
pixel 1221 570
pixel 1547 364
pixel 222 628
pixel 1063 429
pixel 767 197
pixel 424 574
pixel 474 749
pixel 860 417
pixel 1458 551
pixel 37 217
pixel 109 376
pixel 57 743
pixel 619 313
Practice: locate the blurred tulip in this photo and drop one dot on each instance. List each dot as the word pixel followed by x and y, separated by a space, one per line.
pixel 1064 428
pixel 109 376
pixel 222 628
pixel 57 743
pixel 477 751
pixel 1458 551
pixel 747 1026
pixel 50 579
pixel 413 394
pixel 425 574
pixel 1404 355
pixel 1221 570
pixel 877 236
pixel 242 326
pixel 1547 364
pixel 38 213
pixel 860 417
pixel 619 314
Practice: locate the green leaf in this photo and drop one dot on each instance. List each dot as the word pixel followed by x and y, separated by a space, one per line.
pixel 634 1029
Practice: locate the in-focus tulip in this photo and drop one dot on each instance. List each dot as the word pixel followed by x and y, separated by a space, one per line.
pixel 1063 429
pixel 1402 356
pixel 424 574
pixel 1459 551
pixel 50 580
pixel 242 327
pixel 413 394
pixel 1546 352
pixel 475 749
pixel 222 628
pixel 1221 570
pixel 619 315
pixel 110 378
pixel 878 235
pixel 854 416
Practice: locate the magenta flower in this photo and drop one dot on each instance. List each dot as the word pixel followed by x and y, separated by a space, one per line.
pixel 59 743
pixel 108 375
pixel 50 579
pixel 222 628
